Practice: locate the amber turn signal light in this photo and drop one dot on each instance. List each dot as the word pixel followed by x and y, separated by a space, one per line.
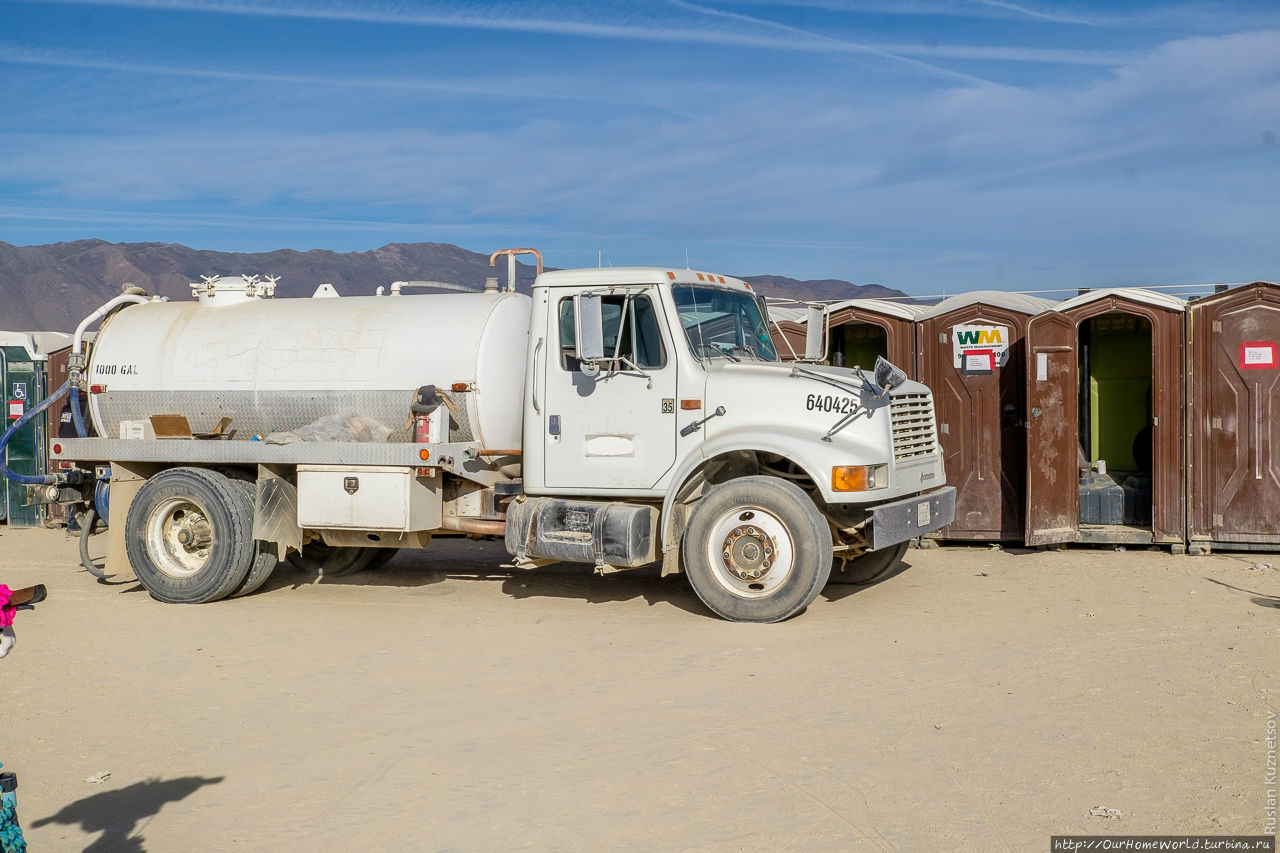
pixel 859 478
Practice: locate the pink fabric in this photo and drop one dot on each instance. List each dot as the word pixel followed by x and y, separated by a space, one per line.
pixel 6 612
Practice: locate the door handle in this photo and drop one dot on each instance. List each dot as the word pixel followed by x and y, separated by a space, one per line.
pixel 537 376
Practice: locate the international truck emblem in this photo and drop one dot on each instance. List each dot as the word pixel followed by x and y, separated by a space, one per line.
pixel 351 484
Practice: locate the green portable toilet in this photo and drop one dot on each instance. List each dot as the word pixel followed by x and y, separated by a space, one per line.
pixel 22 376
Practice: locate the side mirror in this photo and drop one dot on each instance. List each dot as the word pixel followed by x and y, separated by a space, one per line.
pixel 815 345
pixel 888 376
pixel 589 329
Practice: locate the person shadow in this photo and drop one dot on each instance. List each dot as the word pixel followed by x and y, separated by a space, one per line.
pixel 117 814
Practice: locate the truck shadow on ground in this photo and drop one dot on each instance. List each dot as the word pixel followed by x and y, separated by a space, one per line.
pixel 560 580
pixel 1261 599
pixel 116 814
pixel 839 591
pixel 488 562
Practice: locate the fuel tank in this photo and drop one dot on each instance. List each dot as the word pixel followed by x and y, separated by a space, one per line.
pixel 279 364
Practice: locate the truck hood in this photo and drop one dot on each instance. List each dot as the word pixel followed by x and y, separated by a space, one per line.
pixel 797 412
pixel 816 396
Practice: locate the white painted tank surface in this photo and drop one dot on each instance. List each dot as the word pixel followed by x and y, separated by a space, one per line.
pixel 279 364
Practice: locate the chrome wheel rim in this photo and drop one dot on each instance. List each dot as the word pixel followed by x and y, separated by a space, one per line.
pixel 751 552
pixel 179 538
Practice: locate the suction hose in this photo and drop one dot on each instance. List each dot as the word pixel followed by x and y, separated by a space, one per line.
pixel 76 417
pixel 31 479
pixel 86 530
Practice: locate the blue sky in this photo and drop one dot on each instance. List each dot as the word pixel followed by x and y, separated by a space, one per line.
pixel 928 145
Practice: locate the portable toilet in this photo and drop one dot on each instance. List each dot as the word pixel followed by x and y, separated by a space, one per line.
pixel 864 329
pixel 969 351
pixel 788 328
pixel 1233 420
pixel 57 371
pixel 23 379
pixel 1105 432
pixel 858 330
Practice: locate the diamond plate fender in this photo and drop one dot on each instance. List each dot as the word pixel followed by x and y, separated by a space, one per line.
pixel 275 511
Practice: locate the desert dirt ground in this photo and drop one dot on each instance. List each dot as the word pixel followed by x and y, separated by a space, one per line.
pixel 980 699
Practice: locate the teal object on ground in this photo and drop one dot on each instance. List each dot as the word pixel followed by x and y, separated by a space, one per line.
pixel 11 840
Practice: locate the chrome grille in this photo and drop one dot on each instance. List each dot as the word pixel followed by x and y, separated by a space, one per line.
pixel 914 431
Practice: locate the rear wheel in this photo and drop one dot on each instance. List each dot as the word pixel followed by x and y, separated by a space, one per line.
pixel 189 536
pixel 265 558
pixel 757 550
pixel 326 561
pixel 870 567
pixel 379 558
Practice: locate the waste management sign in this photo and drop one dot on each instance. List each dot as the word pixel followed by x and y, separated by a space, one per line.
pixel 979 349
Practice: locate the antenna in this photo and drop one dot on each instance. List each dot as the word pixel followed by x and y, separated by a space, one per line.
pixel 686 259
pixel 599 258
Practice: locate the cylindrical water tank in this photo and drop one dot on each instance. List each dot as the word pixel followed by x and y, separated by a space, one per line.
pixel 279 364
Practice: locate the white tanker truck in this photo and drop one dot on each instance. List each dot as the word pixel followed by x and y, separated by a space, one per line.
pixel 618 417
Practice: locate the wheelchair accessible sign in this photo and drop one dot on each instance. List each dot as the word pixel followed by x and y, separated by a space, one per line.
pixel 18 402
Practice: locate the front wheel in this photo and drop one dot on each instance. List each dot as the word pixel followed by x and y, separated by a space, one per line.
pixel 869 567
pixel 189 536
pixel 757 550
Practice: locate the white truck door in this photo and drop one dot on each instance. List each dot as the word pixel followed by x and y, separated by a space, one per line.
pixel 615 431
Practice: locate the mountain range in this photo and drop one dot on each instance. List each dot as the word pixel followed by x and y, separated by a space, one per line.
pixel 52 287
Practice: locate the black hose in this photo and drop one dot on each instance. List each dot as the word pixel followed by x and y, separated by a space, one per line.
pixel 86 528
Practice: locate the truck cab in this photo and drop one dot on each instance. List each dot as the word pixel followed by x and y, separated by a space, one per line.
pixel 653 387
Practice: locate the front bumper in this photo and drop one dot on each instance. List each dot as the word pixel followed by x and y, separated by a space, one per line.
pixel 908 518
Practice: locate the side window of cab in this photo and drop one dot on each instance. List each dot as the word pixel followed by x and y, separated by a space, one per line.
pixel 631 332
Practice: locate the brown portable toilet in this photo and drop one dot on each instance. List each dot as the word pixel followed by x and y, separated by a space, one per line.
pixel 858 330
pixel 788 327
pixel 1105 433
pixel 864 329
pixel 1233 420
pixel 56 368
pixel 969 351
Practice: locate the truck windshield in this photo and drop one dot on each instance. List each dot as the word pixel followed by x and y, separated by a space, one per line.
pixel 724 323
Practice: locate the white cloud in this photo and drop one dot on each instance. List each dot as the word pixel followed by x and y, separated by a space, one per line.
pixel 1166 151
pixel 1201 98
pixel 687 23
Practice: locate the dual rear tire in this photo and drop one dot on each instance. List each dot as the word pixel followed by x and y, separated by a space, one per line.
pixel 322 560
pixel 189 537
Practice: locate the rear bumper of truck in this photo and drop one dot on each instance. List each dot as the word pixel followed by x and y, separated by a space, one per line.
pixel 900 520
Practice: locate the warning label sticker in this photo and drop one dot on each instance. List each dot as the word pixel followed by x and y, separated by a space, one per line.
pixel 1259 355
pixel 979 361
